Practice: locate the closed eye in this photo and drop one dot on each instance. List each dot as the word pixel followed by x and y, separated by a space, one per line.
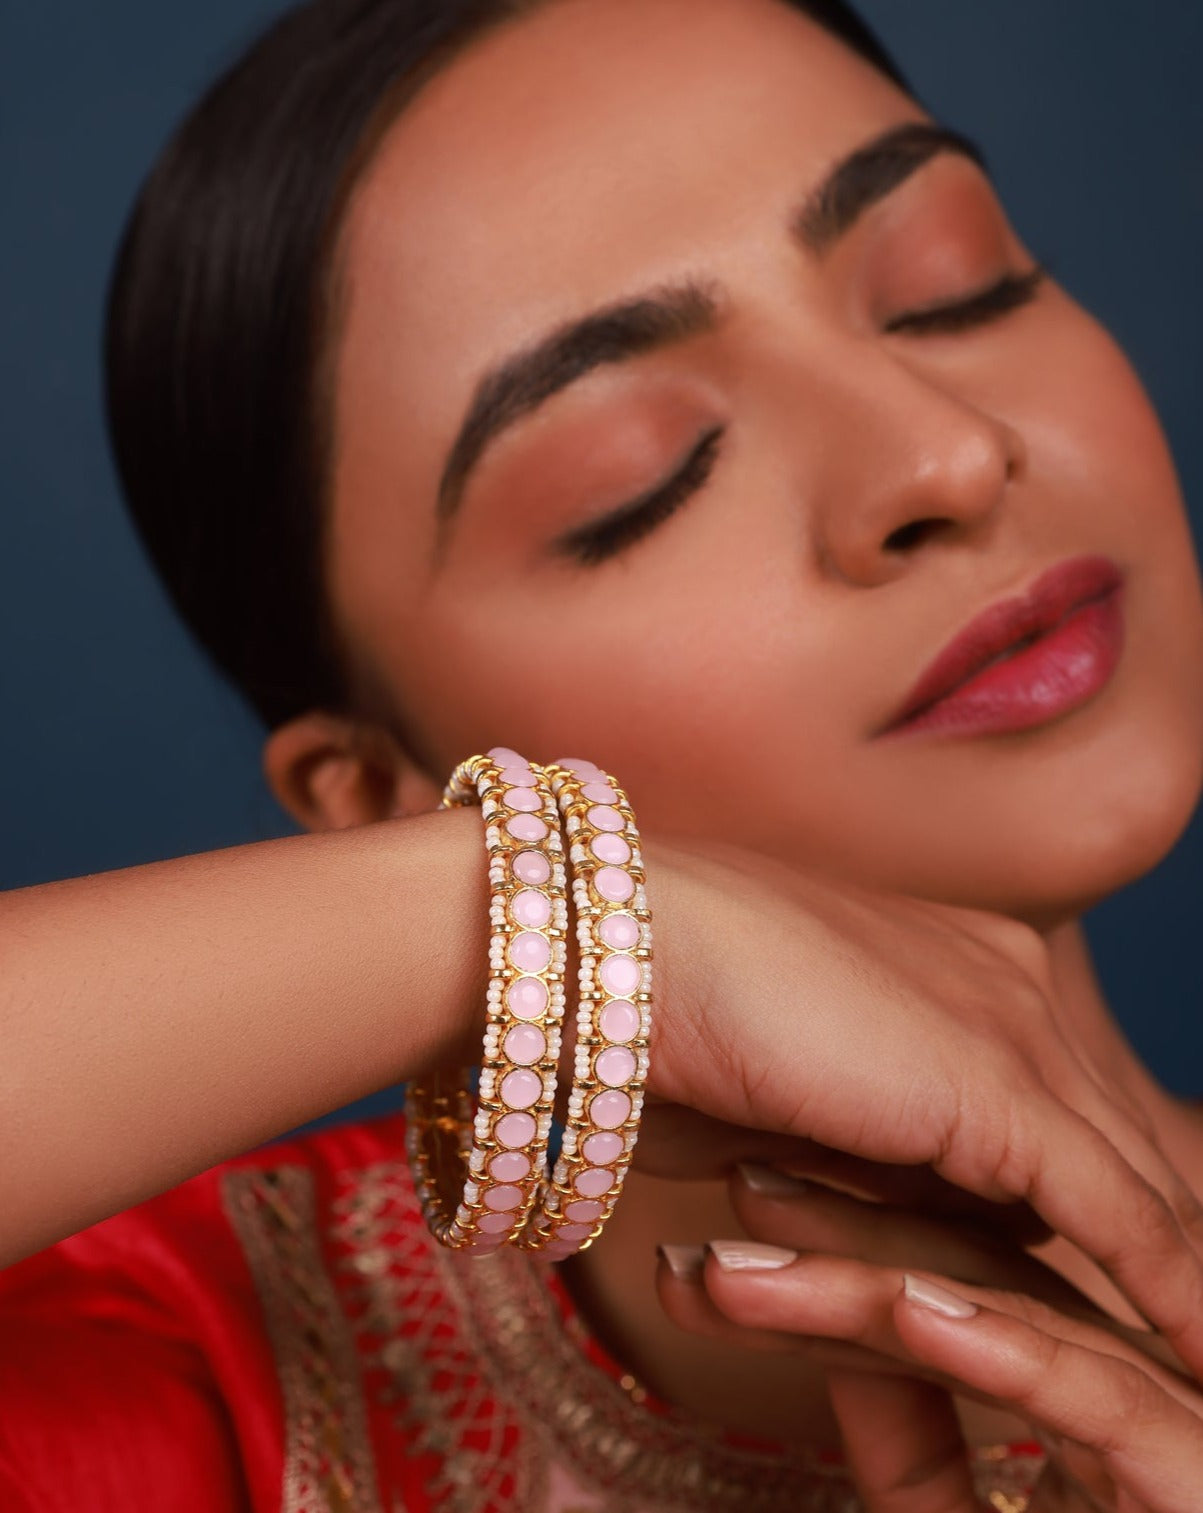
pixel 1011 291
pixel 605 538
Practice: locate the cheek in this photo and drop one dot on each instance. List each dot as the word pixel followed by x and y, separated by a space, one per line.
pixel 688 668
pixel 1094 437
pixel 1116 459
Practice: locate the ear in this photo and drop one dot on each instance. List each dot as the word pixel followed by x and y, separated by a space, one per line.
pixel 331 773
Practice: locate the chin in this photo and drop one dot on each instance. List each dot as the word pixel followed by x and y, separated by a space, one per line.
pixel 1115 829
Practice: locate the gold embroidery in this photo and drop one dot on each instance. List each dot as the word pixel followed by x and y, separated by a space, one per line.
pixel 409 1331
pixel 483 1378
pixel 475 1356
pixel 328 1466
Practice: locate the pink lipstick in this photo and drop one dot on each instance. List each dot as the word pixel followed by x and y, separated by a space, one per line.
pixel 1024 660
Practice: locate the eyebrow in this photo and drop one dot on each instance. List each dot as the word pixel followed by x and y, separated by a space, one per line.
pixel 663 317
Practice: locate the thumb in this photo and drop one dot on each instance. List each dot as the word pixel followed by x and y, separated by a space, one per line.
pixel 903 1442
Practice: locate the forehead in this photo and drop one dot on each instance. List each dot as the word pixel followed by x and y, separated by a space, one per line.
pixel 582 152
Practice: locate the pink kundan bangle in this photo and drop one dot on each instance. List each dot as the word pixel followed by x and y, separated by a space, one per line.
pixel 614 935
pixel 478 1172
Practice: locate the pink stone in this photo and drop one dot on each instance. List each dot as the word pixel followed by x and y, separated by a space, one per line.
pixel 599 793
pixel 509 1166
pixel 602 1149
pixel 525 799
pixel 523 1044
pixel 583 769
pixel 514 1130
pixel 593 1182
pixel 526 827
pixel 607 1110
pixel 527 997
pixel 619 1020
pixel 531 867
pixel 610 848
pixel 583 1213
pixel 506 756
pixel 604 818
pixel 614 884
pixel 502 1199
pixel 615 1065
pixel 529 908
pixel 531 952
pixel 516 777
pixel 619 931
pixel 572 1232
pixel 620 975
pixel 521 1089
pixel 495 1224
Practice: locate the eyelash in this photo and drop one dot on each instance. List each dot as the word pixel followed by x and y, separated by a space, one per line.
pixel 610 536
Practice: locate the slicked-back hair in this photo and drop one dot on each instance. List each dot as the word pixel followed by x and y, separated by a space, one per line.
pixel 219 318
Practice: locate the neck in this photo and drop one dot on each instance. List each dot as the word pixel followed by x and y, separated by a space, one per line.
pixel 771 1395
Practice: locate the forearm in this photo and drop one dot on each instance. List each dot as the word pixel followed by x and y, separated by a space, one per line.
pixel 157 1019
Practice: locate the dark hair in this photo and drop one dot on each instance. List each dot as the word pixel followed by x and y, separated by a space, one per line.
pixel 219 316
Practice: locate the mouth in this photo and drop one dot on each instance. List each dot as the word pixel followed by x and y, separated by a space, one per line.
pixel 1026 659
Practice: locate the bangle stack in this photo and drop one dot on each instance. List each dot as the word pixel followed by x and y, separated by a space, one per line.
pixel 480 1165
pixel 613 926
pixel 499 1152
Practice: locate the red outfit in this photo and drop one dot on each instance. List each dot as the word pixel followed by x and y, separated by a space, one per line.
pixel 280 1335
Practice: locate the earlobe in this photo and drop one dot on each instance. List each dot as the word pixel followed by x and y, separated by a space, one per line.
pixel 331 773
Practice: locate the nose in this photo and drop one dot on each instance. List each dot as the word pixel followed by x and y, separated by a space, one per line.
pixel 912 465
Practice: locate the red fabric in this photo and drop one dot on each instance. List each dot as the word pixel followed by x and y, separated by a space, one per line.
pixel 133 1357
pixel 138 1367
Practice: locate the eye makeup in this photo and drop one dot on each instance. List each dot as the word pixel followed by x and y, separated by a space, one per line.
pixel 595 543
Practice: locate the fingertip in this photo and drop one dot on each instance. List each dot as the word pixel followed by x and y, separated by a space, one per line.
pixel 930 1297
pixel 686 1263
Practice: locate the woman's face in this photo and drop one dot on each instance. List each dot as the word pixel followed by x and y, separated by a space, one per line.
pixel 855 488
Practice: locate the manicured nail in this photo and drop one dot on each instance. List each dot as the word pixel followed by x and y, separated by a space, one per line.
pixel 938 1299
pixel 686 1262
pixel 747 1255
pixel 771 1183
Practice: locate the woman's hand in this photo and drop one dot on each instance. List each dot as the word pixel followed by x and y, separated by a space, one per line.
pixel 876 1031
pixel 1122 1427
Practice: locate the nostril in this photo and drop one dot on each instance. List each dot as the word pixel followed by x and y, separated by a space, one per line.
pixel 912 534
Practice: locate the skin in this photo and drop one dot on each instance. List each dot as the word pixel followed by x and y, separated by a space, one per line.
pixel 755 641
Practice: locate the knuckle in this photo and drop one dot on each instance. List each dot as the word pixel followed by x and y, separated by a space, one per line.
pixel 1135 1404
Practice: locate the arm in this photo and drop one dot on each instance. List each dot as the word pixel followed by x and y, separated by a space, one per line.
pixel 160 1018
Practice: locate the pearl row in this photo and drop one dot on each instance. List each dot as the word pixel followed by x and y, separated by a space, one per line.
pixel 478 1174
pixel 614 936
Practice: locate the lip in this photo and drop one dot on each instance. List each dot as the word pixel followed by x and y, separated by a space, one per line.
pixel 1024 660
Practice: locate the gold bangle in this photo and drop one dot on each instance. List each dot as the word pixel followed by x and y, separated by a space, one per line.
pixel 614 933
pixel 478 1172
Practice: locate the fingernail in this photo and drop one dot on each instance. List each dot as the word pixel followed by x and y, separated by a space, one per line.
pixel 686 1262
pixel 937 1298
pixel 771 1183
pixel 747 1255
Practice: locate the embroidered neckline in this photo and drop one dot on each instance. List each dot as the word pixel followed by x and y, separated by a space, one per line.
pixel 489 1373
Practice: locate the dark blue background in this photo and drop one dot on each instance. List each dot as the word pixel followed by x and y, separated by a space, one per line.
pixel 120 745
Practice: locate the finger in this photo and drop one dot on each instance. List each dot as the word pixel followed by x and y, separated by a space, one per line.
pixel 1079 1183
pixel 1149 1439
pixel 684 1145
pixel 1059 1491
pixel 1148 1442
pixel 765 1288
pixel 685 1300
pixel 786 1210
pixel 1130 1130
pixel 903 1443
pixel 683 1295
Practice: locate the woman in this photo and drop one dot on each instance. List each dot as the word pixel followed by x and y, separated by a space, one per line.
pixel 655 381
